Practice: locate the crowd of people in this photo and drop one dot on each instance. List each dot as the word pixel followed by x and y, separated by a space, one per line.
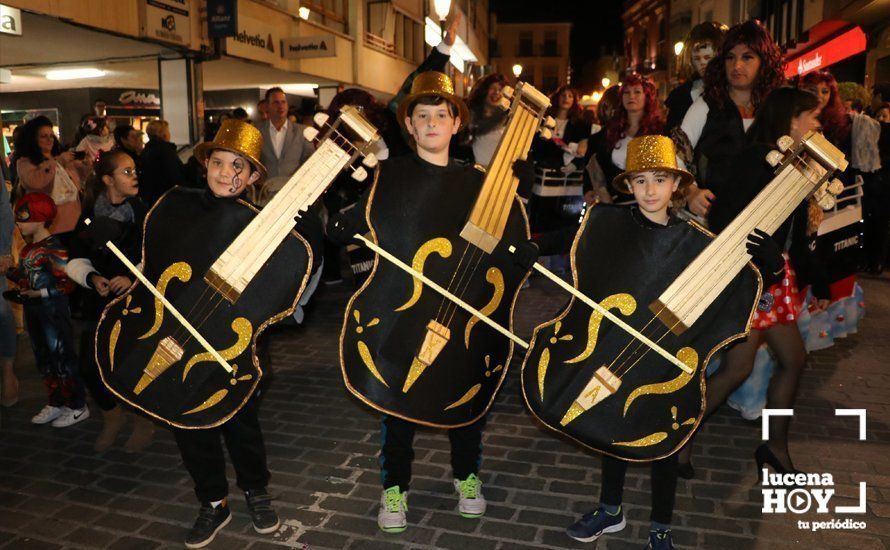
pixel 732 105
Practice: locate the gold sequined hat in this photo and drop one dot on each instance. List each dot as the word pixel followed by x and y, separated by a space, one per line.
pixel 433 83
pixel 237 137
pixel 651 153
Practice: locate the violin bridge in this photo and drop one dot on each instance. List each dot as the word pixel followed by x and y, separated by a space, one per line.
pixel 437 335
pixel 602 384
pixel 168 352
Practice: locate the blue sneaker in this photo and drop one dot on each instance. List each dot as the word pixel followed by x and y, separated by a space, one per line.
pixel 660 540
pixel 595 524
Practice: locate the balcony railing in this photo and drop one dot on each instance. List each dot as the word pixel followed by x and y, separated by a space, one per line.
pixel 379 43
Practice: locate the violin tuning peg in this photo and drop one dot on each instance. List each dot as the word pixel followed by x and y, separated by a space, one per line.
pixel 360 174
pixel 774 158
pixel 507 91
pixel 827 201
pixel 546 133
pixel 310 133
pixel 785 143
pixel 835 187
pixel 370 160
pixel 550 123
pixel 320 119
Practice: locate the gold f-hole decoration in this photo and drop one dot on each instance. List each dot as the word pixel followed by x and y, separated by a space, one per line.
pixel 179 270
pixel 689 357
pixel 440 246
pixel 544 361
pixel 363 351
pixel 242 328
pixel 116 329
pixel 625 304
pixel 496 278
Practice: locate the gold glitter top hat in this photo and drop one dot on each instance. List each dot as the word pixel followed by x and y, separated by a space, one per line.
pixel 651 153
pixel 433 83
pixel 238 137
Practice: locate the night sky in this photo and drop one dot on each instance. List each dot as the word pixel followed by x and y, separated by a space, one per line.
pixel 596 25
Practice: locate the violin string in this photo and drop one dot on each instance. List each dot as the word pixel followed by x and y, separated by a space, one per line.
pixel 473 266
pixel 463 269
pixel 443 301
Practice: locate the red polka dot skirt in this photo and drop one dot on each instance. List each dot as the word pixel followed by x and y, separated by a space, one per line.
pixel 787 302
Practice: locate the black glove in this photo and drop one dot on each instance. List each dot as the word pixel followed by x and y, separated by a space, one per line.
pixel 525 171
pixel 525 255
pixel 767 257
pixel 342 229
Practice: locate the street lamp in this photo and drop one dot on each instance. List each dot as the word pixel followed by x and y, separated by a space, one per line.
pixel 517 70
pixel 606 81
pixel 678 48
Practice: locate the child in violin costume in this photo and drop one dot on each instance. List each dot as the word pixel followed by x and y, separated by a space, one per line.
pixel 653 178
pixel 232 161
pixel 431 115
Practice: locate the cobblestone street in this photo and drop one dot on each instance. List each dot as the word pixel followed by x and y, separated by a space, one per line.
pixel 322 443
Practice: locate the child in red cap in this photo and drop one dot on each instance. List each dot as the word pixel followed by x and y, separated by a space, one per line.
pixel 44 288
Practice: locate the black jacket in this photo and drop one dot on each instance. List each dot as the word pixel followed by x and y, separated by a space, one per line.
pixel 678 102
pixel 161 170
pixel 749 173
pixel 722 137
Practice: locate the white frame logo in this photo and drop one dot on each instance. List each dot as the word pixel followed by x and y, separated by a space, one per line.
pixel 799 493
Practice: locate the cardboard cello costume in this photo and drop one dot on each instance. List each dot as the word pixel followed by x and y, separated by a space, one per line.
pixel 627 378
pixel 180 344
pixel 421 346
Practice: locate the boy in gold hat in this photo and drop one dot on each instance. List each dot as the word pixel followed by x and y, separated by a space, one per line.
pixel 431 114
pixel 233 165
pixel 653 176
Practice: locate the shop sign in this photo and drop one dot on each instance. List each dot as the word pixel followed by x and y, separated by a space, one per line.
pixel 138 99
pixel 837 49
pixel 167 20
pixel 323 45
pixel 10 20
pixel 222 18
pixel 255 40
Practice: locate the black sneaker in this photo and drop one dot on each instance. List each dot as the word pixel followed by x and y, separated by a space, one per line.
pixel 265 519
pixel 660 540
pixel 210 521
pixel 595 524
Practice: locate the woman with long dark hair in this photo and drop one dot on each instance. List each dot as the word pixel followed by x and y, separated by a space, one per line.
pixel 793 112
pixel 43 168
pixel 639 113
pixel 488 118
pixel 737 81
pixel 570 137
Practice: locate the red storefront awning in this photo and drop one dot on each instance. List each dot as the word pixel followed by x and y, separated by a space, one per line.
pixel 825 52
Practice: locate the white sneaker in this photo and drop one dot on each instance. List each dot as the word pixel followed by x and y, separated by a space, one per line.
pixel 69 417
pixel 393 504
pixel 472 503
pixel 47 414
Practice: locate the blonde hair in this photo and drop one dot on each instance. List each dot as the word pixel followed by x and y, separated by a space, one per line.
pixel 156 128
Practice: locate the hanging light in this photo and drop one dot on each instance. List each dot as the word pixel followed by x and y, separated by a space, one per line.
pixel 304 13
pixel 517 70
pixel 678 48
pixel 606 81
pixel 442 8
pixel 74 74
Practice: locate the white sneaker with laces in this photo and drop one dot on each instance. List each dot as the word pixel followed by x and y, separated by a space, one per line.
pixel 392 516
pixel 47 414
pixel 472 503
pixel 69 417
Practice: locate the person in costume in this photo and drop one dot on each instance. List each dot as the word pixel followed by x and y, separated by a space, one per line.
pixel 654 179
pixel 569 142
pixel 700 46
pixel 488 118
pixel 792 112
pixel 431 114
pixel 116 214
pixel 233 165
pixel 746 69
pixel 43 288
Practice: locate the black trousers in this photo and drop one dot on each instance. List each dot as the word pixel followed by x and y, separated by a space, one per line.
pixel 48 321
pixel 397 451
pixel 202 450
pixel 89 370
pixel 202 454
pixel 664 485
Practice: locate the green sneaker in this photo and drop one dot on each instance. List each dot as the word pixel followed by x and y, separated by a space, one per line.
pixel 393 506
pixel 471 503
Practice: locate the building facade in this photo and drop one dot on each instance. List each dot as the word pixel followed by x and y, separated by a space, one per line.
pixel 541 49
